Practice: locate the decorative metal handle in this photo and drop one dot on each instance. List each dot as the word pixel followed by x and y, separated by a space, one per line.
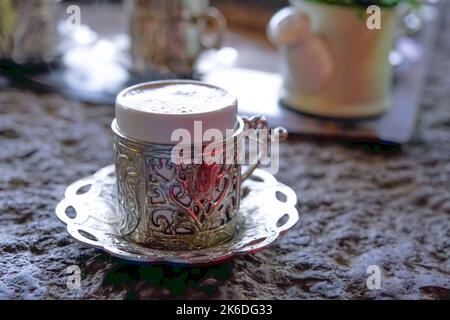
pixel 259 123
pixel 213 15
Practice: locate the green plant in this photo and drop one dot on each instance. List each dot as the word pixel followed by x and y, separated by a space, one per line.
pixel 366 3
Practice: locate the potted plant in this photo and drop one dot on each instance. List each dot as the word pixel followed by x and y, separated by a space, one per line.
pixel 335 55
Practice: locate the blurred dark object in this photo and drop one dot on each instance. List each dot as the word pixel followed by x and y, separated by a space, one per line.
pixel 28 33
pixel 249 14
pixel 58 80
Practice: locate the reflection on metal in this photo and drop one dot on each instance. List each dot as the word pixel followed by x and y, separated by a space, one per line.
pixel 267 209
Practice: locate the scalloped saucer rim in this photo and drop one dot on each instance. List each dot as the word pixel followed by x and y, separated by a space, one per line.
pixel 268 209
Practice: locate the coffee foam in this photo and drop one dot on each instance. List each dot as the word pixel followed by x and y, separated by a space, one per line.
pixel 180 98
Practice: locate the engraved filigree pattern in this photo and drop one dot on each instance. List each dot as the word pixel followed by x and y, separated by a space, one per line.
pixel 181 206
pixel 130 188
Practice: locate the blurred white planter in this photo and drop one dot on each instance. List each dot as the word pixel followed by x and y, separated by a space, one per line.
pixel 332 63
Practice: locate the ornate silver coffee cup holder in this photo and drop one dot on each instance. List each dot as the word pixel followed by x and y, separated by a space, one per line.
pixel 90 212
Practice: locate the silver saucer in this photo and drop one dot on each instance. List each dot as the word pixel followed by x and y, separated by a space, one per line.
pixel 89 210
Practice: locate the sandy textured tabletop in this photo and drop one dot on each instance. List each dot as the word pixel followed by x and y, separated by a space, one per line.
pixel 360 208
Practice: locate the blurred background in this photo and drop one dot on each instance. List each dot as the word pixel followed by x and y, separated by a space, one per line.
pixel 90 50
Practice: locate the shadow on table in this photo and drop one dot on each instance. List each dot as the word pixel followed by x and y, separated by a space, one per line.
pixel 171 280
pixel 372 147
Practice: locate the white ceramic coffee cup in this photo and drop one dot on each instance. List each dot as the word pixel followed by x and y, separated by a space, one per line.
pixel 332 63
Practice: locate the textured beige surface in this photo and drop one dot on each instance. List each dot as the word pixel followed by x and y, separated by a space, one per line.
pixel 359 208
